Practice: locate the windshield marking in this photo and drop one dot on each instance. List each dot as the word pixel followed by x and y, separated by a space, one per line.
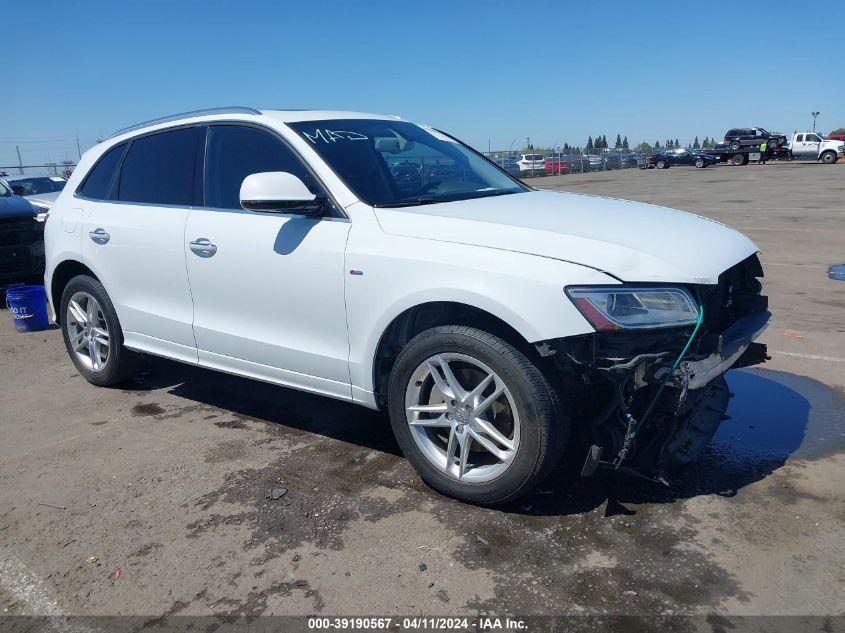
pixel 331 136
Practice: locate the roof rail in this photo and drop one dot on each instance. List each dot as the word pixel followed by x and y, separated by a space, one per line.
pixel 184 115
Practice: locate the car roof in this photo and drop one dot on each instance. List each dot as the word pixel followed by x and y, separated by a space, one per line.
pixel 247 113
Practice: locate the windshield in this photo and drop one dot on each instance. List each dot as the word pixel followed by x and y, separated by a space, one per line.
pixel 37 185
pixel 396 163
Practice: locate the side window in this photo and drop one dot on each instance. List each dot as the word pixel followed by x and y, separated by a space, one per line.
pixel 236 151
pixel 98 181
pixel 799 138
pixel 812 138
pixel 159 169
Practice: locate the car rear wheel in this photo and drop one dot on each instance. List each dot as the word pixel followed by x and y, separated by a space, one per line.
pixel 92 334
pixel 475 417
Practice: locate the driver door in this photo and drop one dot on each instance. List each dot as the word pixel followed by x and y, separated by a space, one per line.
pixel 268 288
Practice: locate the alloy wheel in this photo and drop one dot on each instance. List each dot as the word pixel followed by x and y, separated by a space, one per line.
pixel 462 417
pixel 87 331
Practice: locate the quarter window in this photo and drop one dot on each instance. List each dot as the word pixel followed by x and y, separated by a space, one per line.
pixel 99 179
pixel 159 169
pixel 234 152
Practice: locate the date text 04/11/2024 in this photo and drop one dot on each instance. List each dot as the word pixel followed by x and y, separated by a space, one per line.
pixel 418 623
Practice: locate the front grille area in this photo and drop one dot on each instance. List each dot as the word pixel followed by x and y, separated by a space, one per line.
pixel 21 250
pixel 738 293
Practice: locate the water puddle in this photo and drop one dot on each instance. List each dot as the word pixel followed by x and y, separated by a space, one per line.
pixel 837 272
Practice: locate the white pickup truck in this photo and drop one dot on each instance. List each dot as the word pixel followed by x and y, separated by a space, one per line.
pixel 811 146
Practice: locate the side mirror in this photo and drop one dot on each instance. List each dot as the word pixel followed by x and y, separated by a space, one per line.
pixel 279 192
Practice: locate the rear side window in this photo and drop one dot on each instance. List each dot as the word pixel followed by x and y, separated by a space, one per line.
pixel 234 152
pixel 98 181
pixel 159 169
pixel 799 138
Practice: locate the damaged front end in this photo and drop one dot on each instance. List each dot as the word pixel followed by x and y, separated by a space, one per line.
pixel 650 397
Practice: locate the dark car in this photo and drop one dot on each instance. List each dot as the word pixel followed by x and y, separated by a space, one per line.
pixel 21 240
pixel 753 136
pixel 680 156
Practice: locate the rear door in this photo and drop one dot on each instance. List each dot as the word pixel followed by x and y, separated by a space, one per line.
pixel 134 241
pixel 268 288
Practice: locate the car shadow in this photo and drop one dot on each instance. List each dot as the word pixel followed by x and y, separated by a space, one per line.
pixel 774 416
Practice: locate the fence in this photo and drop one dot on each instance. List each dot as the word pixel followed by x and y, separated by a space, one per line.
pixel 48 169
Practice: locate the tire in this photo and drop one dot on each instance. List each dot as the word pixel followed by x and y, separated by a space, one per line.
pixel 104 369
pixel 773 144
pixel 829 157
pixel 698 427
pixel 538 426
pixel 739 159
pixel 700 164
pixel 662 164
pixel 735 145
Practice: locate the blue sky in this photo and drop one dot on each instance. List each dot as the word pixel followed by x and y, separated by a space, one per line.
pixel 496 71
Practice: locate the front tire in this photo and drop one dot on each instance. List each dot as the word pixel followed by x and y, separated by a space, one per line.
pixel 700 163
pixel 476 418
pixel 735 145
pixel 92 334
pixel 662 164
pixel 828 158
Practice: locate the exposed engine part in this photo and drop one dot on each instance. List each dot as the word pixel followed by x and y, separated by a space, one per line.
pixel 652 399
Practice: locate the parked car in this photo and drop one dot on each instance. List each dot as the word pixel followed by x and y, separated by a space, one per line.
pixel 21 240
pixel 555 167
pixel 41 191
pixel 596 162
pixel 577 163
pixel 499 326
pixel 811 146
pixel 35 185
pixel 509 165
pixel 835 137
pixel 752 136
pixel 680 156
pixel 532 164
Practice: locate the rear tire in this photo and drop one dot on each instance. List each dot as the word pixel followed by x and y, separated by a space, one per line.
pixel 734 145
pixel 527 415
pixel 92 334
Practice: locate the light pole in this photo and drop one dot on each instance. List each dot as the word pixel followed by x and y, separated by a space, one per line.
pixel 815 116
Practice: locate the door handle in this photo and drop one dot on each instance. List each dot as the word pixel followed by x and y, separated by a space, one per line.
pixel 202 247
pixel 99 236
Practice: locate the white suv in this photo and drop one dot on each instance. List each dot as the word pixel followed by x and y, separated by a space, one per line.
pixel 500 327
pixel 532 164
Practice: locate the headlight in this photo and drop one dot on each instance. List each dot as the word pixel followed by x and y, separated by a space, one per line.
pixel 622 308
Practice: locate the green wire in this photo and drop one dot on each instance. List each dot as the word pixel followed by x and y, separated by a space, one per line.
pixel 670 373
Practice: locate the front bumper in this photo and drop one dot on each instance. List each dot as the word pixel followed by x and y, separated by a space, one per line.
pixel 732 344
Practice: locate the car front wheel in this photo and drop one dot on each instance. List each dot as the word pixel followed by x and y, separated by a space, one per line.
pixel 700 163
pixel 476 418
pixel 92 334
pixel 662 164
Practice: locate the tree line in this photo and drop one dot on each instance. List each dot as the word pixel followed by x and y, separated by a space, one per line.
pixel 600 142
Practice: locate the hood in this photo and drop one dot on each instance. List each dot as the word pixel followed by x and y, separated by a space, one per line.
pixel 45 200
pixel 16 207
pixel 631 241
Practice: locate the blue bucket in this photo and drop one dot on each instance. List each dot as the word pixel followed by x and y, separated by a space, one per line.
pixel 28 305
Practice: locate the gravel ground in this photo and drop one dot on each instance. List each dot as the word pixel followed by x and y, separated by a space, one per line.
pixel 170 479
